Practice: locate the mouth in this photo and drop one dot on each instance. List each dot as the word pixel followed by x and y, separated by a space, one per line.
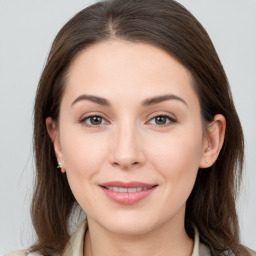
pixel 127 193
pixel 128 190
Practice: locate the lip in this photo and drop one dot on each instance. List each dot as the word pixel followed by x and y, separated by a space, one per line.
pixel 127 198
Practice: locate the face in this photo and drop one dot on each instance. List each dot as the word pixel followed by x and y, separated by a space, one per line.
pixel 129 136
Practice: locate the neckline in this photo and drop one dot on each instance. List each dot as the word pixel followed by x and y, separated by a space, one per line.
pixel 75 245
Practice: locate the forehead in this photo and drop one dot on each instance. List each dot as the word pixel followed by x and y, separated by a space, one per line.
pixel 118 67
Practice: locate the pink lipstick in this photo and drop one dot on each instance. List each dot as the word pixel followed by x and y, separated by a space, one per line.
pixel 127 193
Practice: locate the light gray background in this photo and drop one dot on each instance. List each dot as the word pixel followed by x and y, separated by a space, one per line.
pixel 27 28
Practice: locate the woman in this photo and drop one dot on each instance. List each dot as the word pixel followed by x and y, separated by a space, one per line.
pixel 135 110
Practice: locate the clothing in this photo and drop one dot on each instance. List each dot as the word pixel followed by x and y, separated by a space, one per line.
pixel 75 245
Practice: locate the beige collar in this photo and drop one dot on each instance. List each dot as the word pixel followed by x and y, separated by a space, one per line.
pixel 75 244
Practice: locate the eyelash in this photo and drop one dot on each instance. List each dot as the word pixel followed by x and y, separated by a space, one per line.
pixel 171 120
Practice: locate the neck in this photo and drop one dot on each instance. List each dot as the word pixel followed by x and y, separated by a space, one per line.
pixel 164 241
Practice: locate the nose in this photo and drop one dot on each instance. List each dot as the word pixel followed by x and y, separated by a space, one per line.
pixel 127 148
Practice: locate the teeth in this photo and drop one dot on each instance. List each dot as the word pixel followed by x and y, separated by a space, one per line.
pixel 127 190
pixel 115 189
pixel 132 190
pixel 122 190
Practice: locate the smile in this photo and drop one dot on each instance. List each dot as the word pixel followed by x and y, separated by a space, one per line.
pixel 128 190
pixel 127 193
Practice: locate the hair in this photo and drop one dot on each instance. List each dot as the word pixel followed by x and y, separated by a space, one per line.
pixel 168 25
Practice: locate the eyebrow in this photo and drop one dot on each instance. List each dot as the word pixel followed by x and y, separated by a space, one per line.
pixel 145 103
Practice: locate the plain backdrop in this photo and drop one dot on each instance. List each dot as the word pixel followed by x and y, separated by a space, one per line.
pixel 27 29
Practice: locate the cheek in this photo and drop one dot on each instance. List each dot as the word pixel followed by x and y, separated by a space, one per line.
pixel 82 152
pixel 177 158
pixel 82 156
pixel 177 149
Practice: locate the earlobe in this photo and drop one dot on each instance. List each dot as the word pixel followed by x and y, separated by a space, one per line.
pixel 214 141
pixel 54 136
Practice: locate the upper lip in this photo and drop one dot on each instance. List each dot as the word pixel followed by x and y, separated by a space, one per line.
pixel 120 184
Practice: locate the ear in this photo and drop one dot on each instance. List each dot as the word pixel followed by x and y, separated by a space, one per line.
pixel 213 141
pixel 55 138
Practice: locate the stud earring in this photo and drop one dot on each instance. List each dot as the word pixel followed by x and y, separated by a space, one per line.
pixel 59 165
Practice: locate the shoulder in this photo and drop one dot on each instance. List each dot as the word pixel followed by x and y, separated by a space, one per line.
pixel 252 253
pixel 22 253
pixel 17 253
pixel 74 246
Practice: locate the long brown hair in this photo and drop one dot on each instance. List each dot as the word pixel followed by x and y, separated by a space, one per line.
pixel 169 26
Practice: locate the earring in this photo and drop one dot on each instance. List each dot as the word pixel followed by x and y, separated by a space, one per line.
pixel 59 166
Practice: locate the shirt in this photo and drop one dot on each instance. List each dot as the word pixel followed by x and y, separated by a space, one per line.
pixel 76 243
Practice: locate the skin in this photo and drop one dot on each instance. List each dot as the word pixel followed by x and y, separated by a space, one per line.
pixel 130 144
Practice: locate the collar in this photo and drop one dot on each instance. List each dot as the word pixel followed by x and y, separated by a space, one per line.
pixel 76 243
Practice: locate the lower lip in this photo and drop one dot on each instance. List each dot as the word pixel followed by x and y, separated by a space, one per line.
pixel 128 198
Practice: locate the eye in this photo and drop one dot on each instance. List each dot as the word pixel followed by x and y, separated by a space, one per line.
pixel 93 121
pixel 162 120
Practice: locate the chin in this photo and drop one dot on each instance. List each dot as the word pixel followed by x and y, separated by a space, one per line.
pixel 135 228
pixel 130 223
